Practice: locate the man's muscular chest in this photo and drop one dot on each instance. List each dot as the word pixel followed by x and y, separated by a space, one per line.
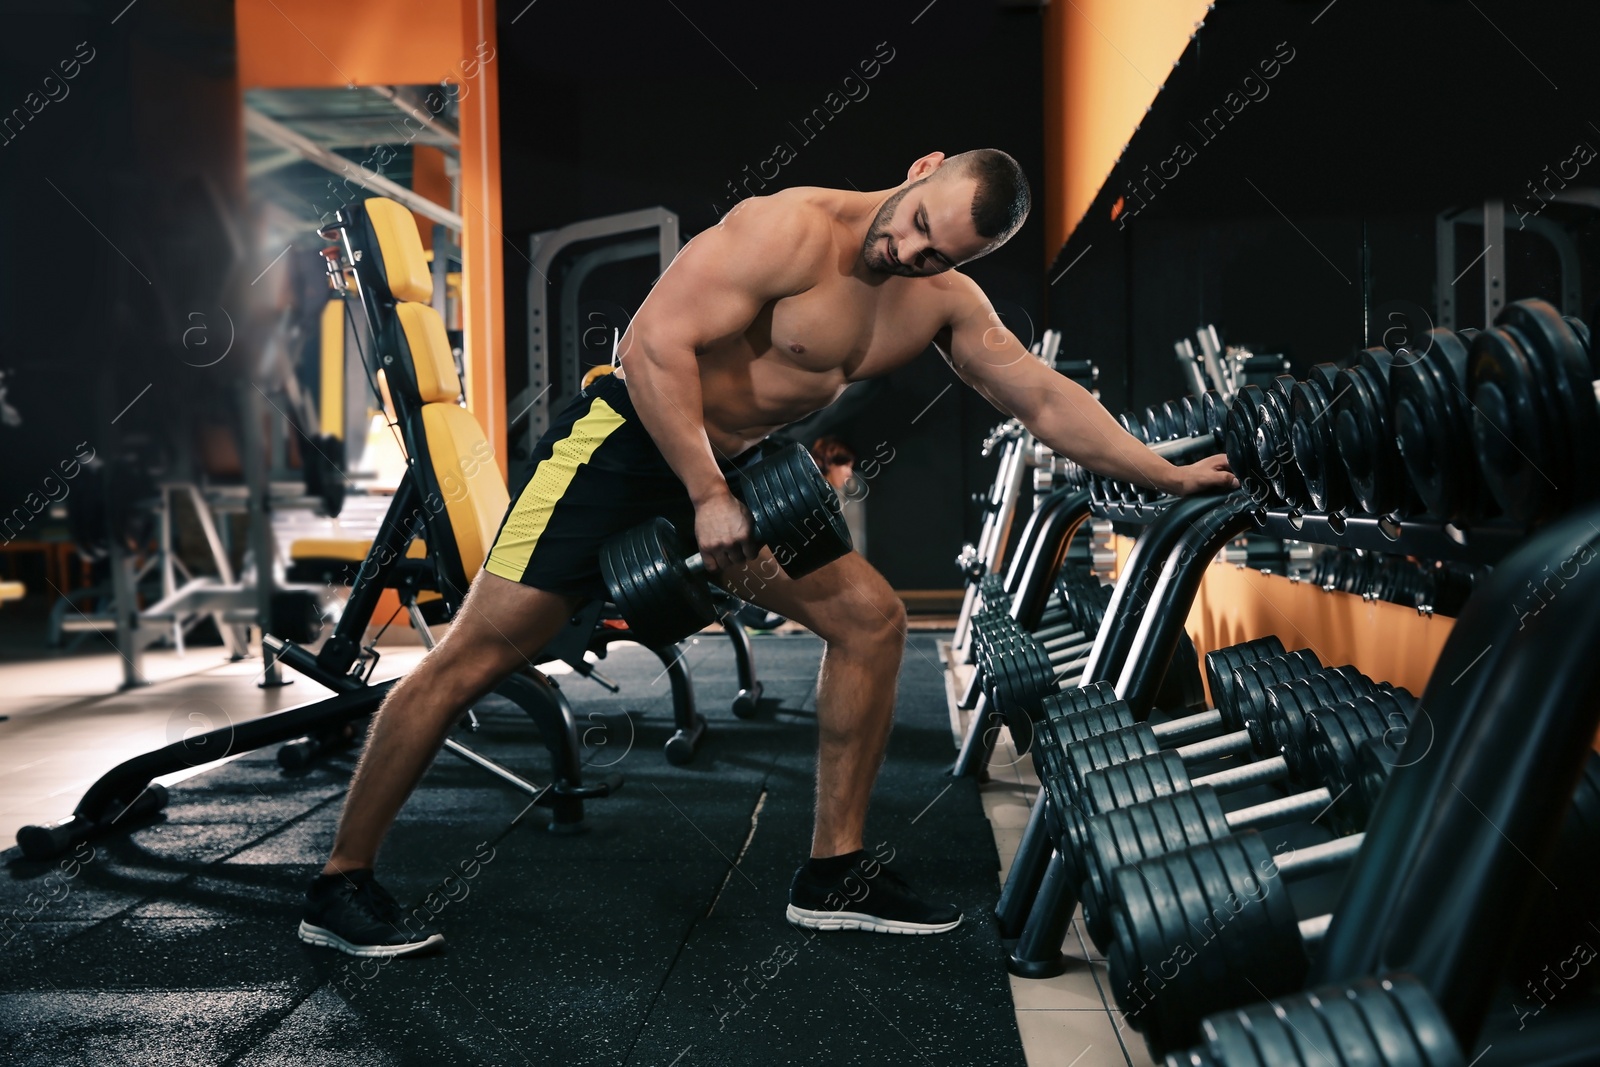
pixel 843 325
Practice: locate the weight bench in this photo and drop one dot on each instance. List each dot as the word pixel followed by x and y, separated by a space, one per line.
pixel 464 497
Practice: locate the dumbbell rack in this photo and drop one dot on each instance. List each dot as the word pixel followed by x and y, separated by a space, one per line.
pixel 1161 577
pixel 1422 537
pixel 1177 540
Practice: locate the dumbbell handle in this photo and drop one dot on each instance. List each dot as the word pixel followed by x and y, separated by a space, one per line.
pixel 1284 809
pixel 1067 647
pixel 1257 772
pixel 1230 744
pixel 1196 447
pixel 1314 929
pixel 1319 859
pixel 1177 729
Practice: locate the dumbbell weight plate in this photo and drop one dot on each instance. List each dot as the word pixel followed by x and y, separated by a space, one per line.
pixel 1309 1032
pixel 1292 703
pixel 1509 426
pixel 1311 440
pixel 652 586
pixel 1173 416
pixel 1260 941
pixel 1275 443
pixel 1564 367
pixel 1432 428
pixel 1221 663
pixel 1192 416
pixel 1239 442
pixel 1363 435
pixel 1078 698
pixel 1135 830
pixel 800 517
pixel 1395 1043
pixel 1405 1024
pixel 1214 413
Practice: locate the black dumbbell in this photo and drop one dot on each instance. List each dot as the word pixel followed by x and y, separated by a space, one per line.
pixel 1151 806
pixel 1220 666
pixel 51 839
pixel 1433 424
pixel 1311 439
pixel 1260 944
pixel 1252 944
pixel 1275 443
pixel 1377 1022
pixel 999 630
pixel 1019 675
pixel 1364 435
pixel 1214 413
pixel 1016 669
pixel 660 586
pixel 1239 442
pixel 1242 703
pixel 1533 394
pixel 1054 622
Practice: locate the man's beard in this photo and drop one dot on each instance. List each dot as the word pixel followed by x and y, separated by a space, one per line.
pixel 877 258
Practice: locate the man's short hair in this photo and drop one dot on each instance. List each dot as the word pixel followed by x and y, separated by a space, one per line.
pixel 1001 201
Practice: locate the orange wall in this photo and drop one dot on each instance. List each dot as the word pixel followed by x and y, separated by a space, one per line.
pixel 1104 61
pixel 1385 641
pixel 302 43
pixel 311 44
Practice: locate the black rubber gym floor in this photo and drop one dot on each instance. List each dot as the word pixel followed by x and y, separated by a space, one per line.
pixel 655 938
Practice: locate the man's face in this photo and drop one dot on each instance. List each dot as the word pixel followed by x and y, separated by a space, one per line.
pixel 925 228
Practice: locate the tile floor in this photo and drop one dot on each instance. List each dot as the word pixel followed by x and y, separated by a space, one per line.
pixel 69 723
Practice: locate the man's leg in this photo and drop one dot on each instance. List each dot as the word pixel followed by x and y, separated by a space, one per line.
pixel 863 625
pixel 501 623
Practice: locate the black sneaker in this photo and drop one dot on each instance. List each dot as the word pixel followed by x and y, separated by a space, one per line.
pixel 879 902
pixel 354 914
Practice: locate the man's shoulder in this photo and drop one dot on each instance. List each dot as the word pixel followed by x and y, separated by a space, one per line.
pixel 800 210
pixel 958 294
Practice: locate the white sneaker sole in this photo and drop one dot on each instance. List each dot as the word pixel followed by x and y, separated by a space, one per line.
pixel 316 935
pixel 855 920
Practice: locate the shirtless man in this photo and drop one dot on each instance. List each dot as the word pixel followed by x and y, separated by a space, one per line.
pixel 761 320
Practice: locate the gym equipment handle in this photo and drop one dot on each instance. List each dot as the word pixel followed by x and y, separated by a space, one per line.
pixel 1195 447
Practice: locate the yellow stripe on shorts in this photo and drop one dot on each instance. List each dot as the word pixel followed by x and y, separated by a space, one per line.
pixel 531 514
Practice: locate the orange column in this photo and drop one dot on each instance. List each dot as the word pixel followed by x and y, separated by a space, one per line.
pixel 430 179
pixel 307 44
pixel 482 284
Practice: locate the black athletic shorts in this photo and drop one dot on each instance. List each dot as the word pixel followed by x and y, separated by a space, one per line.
pixel 595 473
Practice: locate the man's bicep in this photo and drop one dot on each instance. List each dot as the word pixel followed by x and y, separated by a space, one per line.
pixel 989 358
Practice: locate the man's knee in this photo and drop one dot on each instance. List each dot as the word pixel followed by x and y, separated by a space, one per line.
pixel 464 672
pixel 872 621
